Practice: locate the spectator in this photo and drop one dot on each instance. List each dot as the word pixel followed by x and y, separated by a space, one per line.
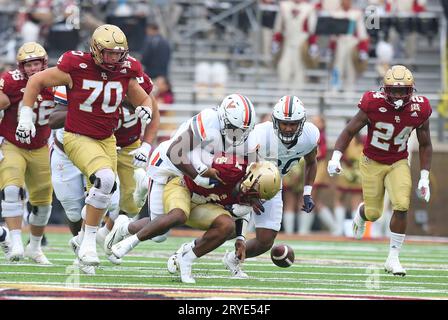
pixel 294 28
pixel 350 49
pixel 164 95
pixel 156 52
pixel 268 10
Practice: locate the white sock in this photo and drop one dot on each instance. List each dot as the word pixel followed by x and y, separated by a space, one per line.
pixel 103 232
pixel 189 256
pixel 16 237
pixel 288 222
pixel 80 236
pixel 339 214
pixel 35 242
pixel 327 218
pixel 125 230
pixel 396 241
pixel 89 236
pixel 133 240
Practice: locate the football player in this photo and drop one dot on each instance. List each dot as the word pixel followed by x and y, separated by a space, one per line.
pixel 390 116
pixel 25 162
pixel 285 140
pixel 97 82
pixel 210 208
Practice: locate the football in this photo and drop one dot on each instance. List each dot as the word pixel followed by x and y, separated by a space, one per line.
pixel 282 255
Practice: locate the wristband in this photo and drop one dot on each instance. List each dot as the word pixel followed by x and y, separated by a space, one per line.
pixel 307 190
pixel 424 174
pixel 337 155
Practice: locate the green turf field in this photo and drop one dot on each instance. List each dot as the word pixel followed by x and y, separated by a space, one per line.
pixel 322 270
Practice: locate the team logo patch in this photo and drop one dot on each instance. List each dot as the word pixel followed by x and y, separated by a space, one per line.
pixel 382 109
pixel 397 119
pixel 415 114
pixel 103 75
pixel 82 65
pixel 123 71
pixel 415 107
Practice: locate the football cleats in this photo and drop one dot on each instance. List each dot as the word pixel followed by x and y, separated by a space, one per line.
pixel 109 38
pixel 262 180
pixel 398 86
pixel 236 118
pixel 289 109
pixel 31 51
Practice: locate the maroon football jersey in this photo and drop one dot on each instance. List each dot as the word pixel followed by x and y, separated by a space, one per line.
pixel 129 126
pixel 231 171
pixel 13 85
pixel 96 94
pixel 389 129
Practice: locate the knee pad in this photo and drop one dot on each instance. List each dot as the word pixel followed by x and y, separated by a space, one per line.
pixel 160 238
pixel 39 215
pixel 372 214
pixel 12 201
pixel 101 192
pixel 84 213
pixel 73 209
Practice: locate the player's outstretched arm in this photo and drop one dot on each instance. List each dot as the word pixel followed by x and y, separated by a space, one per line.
pixel 310 175
pixel 425 153
pixel 343 140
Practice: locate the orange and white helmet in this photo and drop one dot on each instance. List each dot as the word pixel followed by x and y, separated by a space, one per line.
pixel 109 37
pixel 236 118
pixel 289 109
pixel 31 51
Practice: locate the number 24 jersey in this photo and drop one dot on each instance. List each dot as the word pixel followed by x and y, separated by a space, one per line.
pixel 388 129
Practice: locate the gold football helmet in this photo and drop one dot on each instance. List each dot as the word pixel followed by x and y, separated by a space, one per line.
pixel 262 180
pixel 109 38
pixel 30 51
pixel 398 86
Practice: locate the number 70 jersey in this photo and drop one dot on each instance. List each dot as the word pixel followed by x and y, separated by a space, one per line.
pixel 389 129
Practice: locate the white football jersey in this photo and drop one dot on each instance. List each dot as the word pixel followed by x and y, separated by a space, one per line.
pixel 206 128
pixel 272 149
pixel 60 97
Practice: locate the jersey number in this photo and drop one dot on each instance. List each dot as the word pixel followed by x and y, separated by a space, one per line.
pixel 381 137
pixel 98 88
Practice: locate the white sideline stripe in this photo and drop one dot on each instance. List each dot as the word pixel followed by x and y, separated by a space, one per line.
pixel 230 289
pixel 341 258
pixel 298 264
pixel 285 272
pixel 317 281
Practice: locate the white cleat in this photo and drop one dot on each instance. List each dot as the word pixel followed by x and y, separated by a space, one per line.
pixel 90 270
pixel 116 234
pixel 171 264
pixel 16 253
pixel 37 256
pixel 120 249
pixel 88 256
pixel 141 187
pixel 74 244
pixel 359 225
pixel 113 259
pixel 393 266
pixel 234 265
pixel 6 244
pixel 185 269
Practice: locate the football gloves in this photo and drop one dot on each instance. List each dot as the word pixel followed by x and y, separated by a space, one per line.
pixel 423 191
pixel 25 129
pixel 141 155
pixel 144 113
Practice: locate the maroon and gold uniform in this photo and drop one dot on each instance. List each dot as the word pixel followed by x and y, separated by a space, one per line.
pixel 384 164
pixel 26 163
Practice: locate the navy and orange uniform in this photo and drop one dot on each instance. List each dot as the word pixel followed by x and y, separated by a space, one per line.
pixel 389 129
pixel 231 170
pixel 13 84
